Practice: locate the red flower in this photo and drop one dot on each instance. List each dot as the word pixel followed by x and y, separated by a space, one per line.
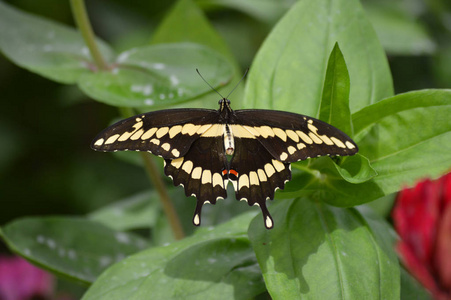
pixel 422 218
pixel 19 280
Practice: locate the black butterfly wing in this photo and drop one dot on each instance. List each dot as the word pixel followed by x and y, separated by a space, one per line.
pixel 256 174
pixel 292 137
pixel 200 172
pixel 167 133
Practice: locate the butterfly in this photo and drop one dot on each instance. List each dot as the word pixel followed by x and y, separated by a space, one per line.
pixel 205 149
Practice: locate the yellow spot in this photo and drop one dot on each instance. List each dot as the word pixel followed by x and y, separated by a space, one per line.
pixel 197 172
pixel 278 165
pixel 310 121
pixel 138 120
pixel 350 145
pixel 291 150
pixel 137 134
pixel 243 181
pixel 304 137
pixel 175 130
pixel 99 142
pixel 338 142
pixel 166 146
pixel 261 175
pixel 301 146
pixel 292 135
pixel 268 222
pixel 280 133
pixel 203 128
pixel 326 139
pixel 315 138
pixel 177 163
pixel 253 178
pixel 175 152
pixel 206 176
pixel 265 131
pixel 149 133
pixel 210 130
pixel 283 156
pixel 155 141
pixel 251 130
pixel 112 139
pixel 126 135
pixel 269 169
pixel 162 131
pixel 190 129
pixel 187 166
pixel 196 219
pixel 240 132
pixel 217 180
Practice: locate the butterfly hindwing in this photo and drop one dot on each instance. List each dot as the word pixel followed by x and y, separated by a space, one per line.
pixel 166 133
pixel 200 172
pixel 256 175
pixel 291 137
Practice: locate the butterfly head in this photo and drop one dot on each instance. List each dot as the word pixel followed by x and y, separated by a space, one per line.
pixel 224 104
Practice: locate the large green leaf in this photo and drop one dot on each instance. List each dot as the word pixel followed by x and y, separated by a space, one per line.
pixel 406 137
pixel 137 211
pixel 213 264
pixel 50 49
pixel 316 251
pixel 158 75
pixel 288 71
pixel 72 247
pixel 186 23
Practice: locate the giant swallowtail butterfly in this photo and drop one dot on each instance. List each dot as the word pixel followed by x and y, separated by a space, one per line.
pixel 205 149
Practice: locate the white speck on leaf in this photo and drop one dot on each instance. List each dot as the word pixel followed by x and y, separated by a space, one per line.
pixel 40 239
pixel 148 102
pixel 174 80
pixel 72 254
pixel 85 51
pixel 105 261
pixel 159 66
pixel 122 238
pixel 51 243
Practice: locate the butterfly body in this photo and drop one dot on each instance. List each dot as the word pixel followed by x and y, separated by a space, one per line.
pixel 206 149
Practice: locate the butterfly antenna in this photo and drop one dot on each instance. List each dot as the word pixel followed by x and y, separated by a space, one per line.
pixel 208 83
pixel 245 73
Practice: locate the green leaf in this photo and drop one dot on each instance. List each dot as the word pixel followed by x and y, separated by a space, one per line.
pixel 138 211
pixel 187 23
pixel 72 247
pixel 334 107
pixel 213 264
pixel 356 169
pixel 288 71
pixel 268 11
pixel 346 183
pixel 159 75
pixel 316 251
pixel 406 137
pixel 45 47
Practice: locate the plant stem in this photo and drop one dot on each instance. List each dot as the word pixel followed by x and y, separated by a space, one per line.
pixel 82 21
pixel 154 175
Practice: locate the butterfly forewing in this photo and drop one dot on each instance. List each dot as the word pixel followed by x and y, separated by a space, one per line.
pixel 166 133
pixel 291 137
